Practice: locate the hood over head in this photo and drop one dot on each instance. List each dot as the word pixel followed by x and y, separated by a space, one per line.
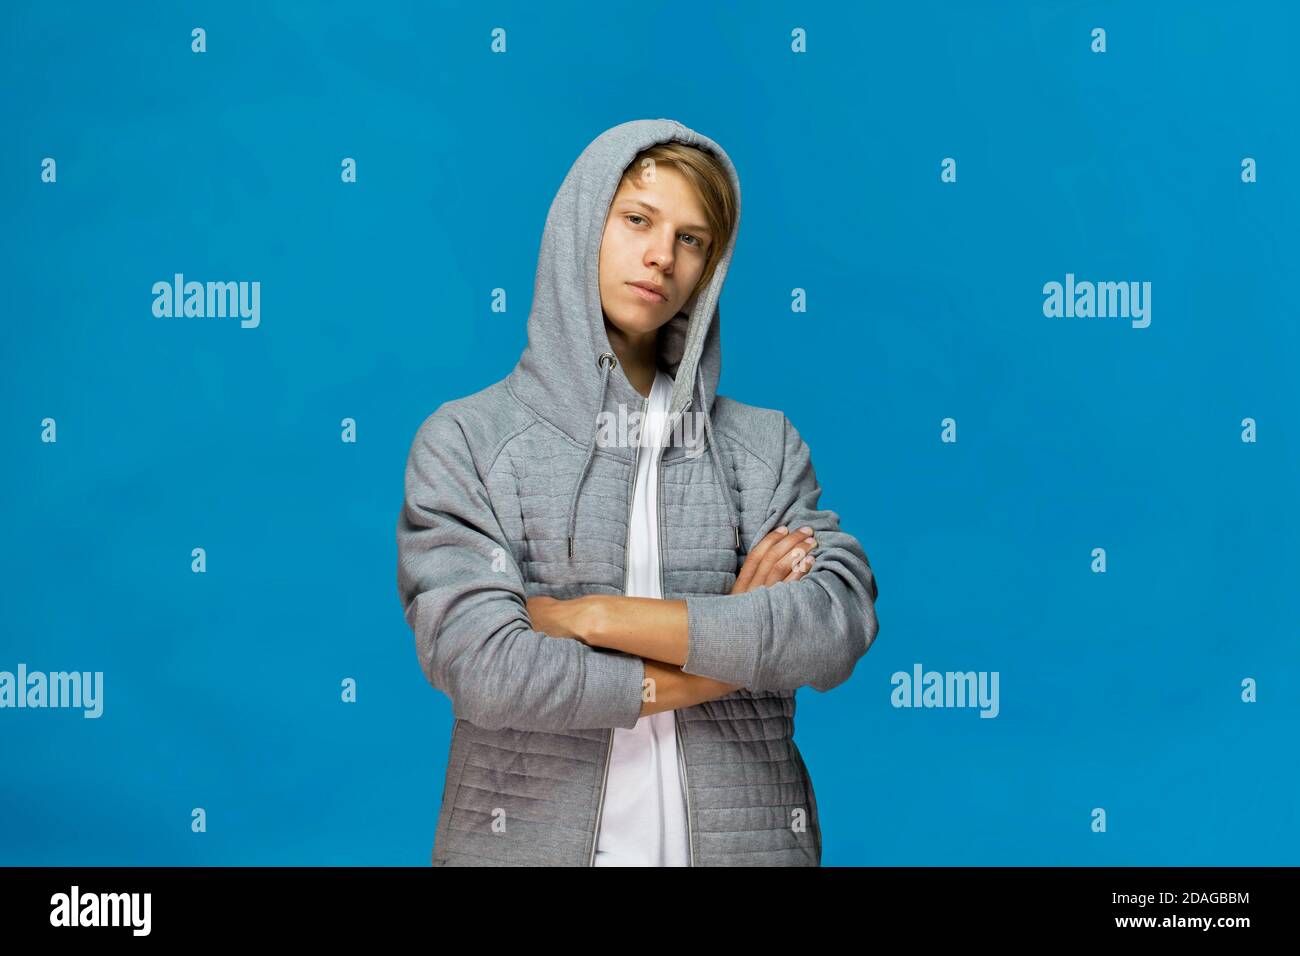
pixel 568 372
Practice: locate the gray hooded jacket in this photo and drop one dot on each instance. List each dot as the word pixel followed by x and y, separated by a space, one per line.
pixel 509 494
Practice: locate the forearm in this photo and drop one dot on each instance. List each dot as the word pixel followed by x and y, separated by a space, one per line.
pixel 646 628
pixel 673 688
pixel 653 628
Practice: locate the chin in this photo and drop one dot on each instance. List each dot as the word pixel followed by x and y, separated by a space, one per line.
pixel 641 322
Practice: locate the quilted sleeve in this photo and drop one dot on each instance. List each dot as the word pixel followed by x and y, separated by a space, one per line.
pixel 808 632
pixel 464 599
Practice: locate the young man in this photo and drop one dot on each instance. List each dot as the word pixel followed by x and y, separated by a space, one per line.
pixel 550 561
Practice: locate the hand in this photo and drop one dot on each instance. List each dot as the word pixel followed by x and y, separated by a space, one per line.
pixel 778 557
pixel 554 617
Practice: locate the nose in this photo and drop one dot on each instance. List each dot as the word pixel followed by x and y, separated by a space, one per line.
pixel 659 252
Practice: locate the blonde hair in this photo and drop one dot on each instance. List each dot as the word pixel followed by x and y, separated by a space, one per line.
pixel 711 183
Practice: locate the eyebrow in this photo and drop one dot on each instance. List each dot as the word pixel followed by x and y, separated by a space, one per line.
pixel 651 209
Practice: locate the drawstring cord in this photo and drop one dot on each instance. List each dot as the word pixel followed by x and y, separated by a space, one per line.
pixel 718 472
pixel 591 449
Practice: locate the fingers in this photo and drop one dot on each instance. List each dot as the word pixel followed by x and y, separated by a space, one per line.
pixel 773 558
pixel 746 577
pixel 793 565
pixel 800 568
pixel 779 559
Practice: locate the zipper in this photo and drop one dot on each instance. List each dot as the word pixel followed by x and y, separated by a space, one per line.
pixel 677 720
pixel 681 765
pixel 627 537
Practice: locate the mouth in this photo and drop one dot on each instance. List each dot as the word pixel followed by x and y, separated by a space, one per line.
pixel 648 292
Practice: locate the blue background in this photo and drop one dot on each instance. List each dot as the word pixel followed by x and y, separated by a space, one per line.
pixel 222 690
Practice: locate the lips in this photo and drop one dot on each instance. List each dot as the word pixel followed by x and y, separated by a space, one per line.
pixel 646 292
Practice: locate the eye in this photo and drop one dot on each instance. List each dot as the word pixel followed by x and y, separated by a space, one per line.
pixel 696 241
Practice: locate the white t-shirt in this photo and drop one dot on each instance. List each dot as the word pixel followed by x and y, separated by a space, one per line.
pixel 643 821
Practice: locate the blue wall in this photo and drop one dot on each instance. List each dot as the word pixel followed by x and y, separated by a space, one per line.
pixel 1119 690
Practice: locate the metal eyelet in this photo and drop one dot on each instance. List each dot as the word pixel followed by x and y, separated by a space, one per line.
pixel 613 359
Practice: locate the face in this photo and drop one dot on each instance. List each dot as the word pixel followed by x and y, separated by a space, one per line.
pixel 655 233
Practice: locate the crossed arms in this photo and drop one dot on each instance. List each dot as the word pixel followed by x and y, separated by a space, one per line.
pixel 657 630
pixel 466 603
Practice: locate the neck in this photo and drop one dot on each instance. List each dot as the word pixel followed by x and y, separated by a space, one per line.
pixel 637 354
